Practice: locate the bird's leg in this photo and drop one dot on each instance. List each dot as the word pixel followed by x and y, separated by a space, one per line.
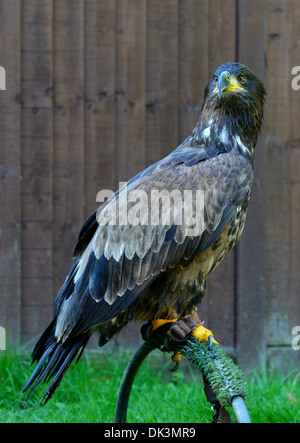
pixel 189 326
pixel 163 324
pixel 161 321
pixel 180 330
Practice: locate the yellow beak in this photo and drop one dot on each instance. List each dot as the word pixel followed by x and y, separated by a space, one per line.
pixel 227 83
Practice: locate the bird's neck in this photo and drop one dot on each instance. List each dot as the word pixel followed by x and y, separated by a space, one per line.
pixel 231 133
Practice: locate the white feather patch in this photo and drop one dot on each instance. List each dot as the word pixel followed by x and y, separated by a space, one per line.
pixel 83 261
pixel 206 132
pixel 224 136
pixel 241 144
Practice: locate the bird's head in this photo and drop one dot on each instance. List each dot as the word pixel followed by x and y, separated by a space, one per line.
pixel 237 93
pixel 235 82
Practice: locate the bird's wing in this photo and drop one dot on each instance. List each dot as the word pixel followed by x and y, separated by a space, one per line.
pixel 115 262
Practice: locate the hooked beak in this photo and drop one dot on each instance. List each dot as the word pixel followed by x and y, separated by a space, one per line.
pixel 227 83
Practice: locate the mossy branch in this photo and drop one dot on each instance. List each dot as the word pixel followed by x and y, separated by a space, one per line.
pixel 225 377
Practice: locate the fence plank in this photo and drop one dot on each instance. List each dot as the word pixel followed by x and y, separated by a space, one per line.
pixel 99 105
pixel 283 160
pixel 130 88
pixel 10 209
pixel 251 258
pixel 68 132
pixel 37 164
pixel 193 63
pixel 222 32
pixel 162 79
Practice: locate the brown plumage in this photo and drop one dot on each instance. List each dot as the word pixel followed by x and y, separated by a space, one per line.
pixel 142 271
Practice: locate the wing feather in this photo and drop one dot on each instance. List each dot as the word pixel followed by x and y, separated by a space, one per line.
pixel 119 261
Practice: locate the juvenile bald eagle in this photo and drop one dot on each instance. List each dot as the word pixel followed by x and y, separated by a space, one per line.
pixel 146 271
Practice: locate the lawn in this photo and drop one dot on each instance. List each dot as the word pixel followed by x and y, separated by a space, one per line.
pixel 89 390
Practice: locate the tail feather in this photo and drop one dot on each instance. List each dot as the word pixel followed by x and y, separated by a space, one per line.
pixel 38 370
pixel 60 368
pixel 53 361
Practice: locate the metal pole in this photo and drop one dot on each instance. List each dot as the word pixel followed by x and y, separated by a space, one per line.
pixel 237 401
pixel 240 409
pixel 128 378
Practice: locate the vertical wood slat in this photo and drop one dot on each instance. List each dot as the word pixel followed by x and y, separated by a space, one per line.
pixel 219 302
pixel 130 88
pixel 37 166
pixel 68 132
pixel 10 205
pixel 282 175
pixel 193 62
pixel 99 99
pixel 222 32
pixel 251 258
pixel 162 79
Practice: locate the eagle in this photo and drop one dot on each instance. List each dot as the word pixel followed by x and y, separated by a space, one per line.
pixel 152 264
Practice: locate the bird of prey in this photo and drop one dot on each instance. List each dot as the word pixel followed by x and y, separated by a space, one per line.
pixel 144 271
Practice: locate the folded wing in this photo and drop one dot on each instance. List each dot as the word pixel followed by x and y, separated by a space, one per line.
pixel 115 262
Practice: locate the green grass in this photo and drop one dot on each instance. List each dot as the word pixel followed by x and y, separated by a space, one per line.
pixel 89 390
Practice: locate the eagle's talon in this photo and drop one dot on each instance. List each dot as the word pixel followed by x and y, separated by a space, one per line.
pixel 176 366
pixel 204 335
pixel 176 357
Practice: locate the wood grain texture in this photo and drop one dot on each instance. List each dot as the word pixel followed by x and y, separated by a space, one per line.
pixel 10 188
pixel 99 99
pixel 130 88
pixel 282 173
pixel 36 163
pixel 68 132
pixel 162 79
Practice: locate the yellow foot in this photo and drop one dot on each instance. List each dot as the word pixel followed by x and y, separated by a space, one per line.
pixel 202 334
pixel 161 321
pixel 176 357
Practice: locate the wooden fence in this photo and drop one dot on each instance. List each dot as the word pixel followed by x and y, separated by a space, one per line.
pixel 96 90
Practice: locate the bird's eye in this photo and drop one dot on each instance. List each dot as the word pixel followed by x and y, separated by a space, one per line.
pixel 241 78
pixel 215 79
